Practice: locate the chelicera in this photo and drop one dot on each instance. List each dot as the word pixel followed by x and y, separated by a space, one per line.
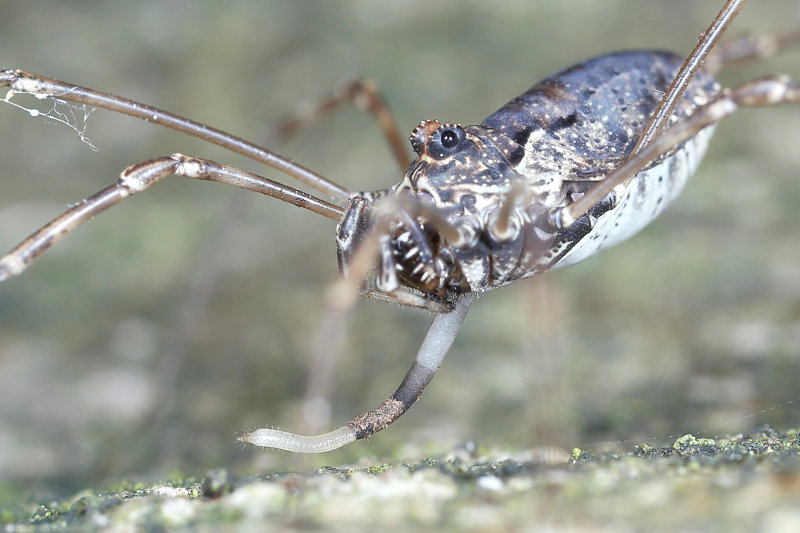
pixel 578 163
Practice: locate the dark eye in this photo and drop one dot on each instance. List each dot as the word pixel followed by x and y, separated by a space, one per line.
pixel 446 140
pixel 449 138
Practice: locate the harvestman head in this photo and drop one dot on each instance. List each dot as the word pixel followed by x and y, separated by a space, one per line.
pixel 535 186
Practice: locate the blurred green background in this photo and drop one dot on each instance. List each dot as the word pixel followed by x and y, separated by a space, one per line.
pixel 147 340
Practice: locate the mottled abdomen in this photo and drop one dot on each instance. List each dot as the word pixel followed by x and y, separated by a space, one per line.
pixel 644 199
pixel 583 122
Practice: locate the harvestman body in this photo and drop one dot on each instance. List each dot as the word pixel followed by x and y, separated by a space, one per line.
pixel 544 182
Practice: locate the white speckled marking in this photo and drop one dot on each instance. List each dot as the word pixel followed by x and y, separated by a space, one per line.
pixel 647 196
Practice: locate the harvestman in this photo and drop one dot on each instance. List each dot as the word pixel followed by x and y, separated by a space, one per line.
pixel 566 169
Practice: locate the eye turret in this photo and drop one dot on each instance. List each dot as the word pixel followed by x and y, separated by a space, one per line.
pixel 437 140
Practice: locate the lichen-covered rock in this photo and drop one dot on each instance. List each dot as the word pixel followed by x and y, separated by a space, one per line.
pixel 739 483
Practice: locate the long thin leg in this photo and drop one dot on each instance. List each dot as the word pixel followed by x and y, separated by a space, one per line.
pixel 362 93
pixel 19 81
pixel 141 176
pixel 689 68
pixel 750 47
pixel 766 91
pixel 434 348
